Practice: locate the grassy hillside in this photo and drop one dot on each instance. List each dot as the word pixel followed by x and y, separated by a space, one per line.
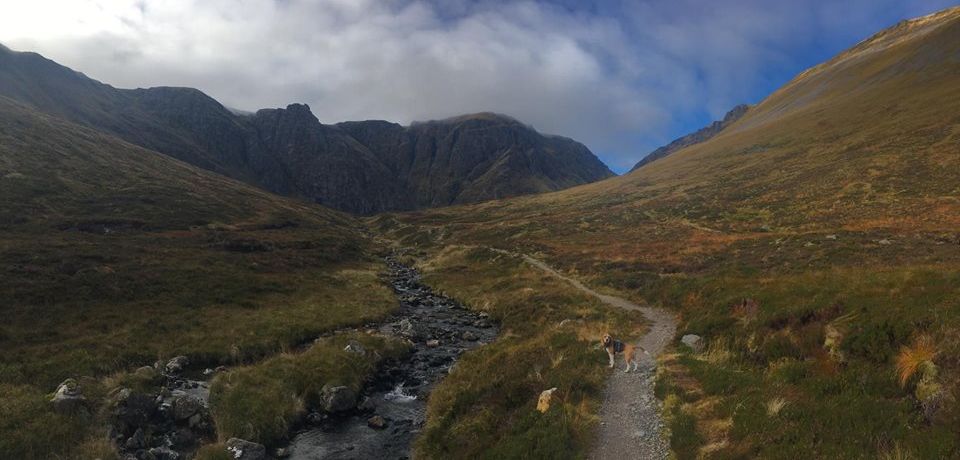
pixel 834 204
pixel 114 256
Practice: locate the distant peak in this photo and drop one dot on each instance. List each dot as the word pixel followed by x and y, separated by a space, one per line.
pixel 702 135
pixel 480 116
pixel 299 108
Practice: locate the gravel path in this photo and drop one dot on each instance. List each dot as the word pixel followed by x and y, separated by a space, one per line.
pixel 630 422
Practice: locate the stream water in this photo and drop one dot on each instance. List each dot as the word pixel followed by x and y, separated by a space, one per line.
pixel 441 330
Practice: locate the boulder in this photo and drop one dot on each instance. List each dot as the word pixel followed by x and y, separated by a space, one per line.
pixel 470 336
pixel 377 422
pixel 69 399
pixel 355 347
pixel 164 453
pixel 176 365
pixel 546 396
pixel 183 438
pixel 410 330
pixel 137 441
pixel 433 343
pixel 185 406
pixel 338 398
pixel 246 450
pixel 132 410
pixel 367 404
pixel 695 342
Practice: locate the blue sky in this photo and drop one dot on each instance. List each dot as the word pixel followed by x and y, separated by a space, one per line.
pixel 622 76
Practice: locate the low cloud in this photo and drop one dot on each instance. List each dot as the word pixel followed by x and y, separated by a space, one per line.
pixel 620 76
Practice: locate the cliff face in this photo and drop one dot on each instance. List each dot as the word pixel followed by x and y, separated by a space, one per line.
pixel 360 167
pixel 701 135
pixel 476 157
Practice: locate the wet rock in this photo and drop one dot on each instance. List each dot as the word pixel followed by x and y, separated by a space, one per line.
pixel 368 404
pixel 183 438
pixel 470 336
pixel 410 330
pixel 197 421
pixel 185 406
pixel 355 347
pixel 246 450
pixel 377 422
pixel 338 398
pixel 433 343
pixel 69 399
pixel 546 397
pixel 695 342
pixel 315 418
pixel 132 410
pixel 176 365
pixel 137 441
pixel 280 452
pixel 216 370
pixel 164 453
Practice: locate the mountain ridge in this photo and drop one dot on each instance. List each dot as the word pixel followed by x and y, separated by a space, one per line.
pixel 701 135
pixel 332 168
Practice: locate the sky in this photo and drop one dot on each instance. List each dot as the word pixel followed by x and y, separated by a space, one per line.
pixel 621 76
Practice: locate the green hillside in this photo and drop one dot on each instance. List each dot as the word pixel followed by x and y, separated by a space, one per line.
pixel 114 256
pixel 834 205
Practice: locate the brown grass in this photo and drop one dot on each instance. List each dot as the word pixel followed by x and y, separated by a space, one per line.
pixel 910 358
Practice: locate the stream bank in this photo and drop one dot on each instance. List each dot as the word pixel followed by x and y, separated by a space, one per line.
pixel 392 408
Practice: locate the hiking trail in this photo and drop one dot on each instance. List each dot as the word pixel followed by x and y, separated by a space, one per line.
pixel 630 422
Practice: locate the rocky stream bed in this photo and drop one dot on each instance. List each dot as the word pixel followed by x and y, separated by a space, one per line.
pixel 392 408
pixel 170 422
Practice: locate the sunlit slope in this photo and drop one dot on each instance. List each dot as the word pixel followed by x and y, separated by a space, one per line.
pixel 867 142
pixel 834 207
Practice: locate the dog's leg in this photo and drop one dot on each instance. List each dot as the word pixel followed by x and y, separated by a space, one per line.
pixel 634 364
pixel 610 354
pixel 627 357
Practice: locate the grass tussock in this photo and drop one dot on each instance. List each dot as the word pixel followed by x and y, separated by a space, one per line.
pixel 912 358
pixel 835 348
pixel 261 401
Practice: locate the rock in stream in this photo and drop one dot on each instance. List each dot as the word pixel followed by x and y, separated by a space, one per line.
pixel 393 405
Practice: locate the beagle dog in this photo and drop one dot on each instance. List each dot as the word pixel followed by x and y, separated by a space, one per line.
pixel 629 351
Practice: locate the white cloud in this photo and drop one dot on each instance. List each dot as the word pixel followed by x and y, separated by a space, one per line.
pixel 615 75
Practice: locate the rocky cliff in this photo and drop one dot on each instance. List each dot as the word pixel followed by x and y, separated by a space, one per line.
pixel 360 167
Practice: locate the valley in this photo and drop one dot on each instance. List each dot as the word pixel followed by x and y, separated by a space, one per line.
pixel 185 281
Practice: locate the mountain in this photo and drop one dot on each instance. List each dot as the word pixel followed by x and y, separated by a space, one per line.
pixel 476 157
pixel 358 167
pixel 813 244
pixel 701 135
